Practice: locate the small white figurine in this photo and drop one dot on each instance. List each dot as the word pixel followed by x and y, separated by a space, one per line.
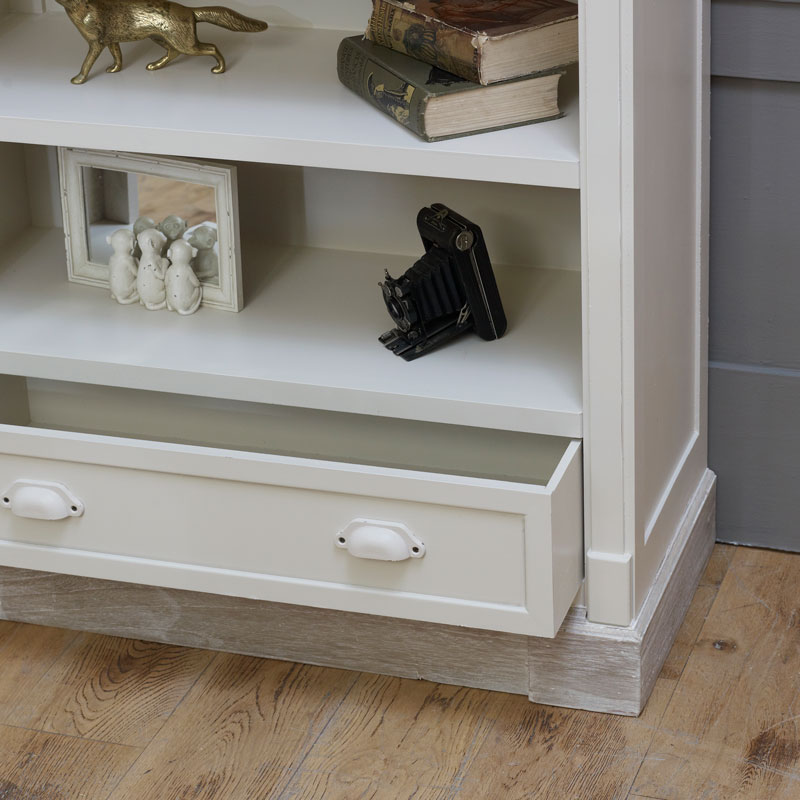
pixel 152 270
pixel 173 227
pixel 122 267
pixel 206 263
pixel 184 292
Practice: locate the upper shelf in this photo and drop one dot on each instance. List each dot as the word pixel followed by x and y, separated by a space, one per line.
pixel 280 102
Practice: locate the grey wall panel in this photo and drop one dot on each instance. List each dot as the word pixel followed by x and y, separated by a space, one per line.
pixel 754 447
pixel 755 222
pixel 754 381
pixel 756 39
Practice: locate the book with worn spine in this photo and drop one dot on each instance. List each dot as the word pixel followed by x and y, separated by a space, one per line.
pixel 439 105
pixel 484 41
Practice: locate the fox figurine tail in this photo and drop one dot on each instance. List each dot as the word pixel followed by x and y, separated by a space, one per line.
pixel 228 18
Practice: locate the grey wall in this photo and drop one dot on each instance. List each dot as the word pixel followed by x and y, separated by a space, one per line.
pixel 754 382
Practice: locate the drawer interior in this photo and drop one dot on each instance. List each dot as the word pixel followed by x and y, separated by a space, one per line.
pixel 281 430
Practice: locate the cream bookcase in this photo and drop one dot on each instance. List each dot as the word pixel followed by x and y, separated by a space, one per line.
pixel 229 470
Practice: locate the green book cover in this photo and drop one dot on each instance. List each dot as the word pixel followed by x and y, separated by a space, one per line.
pixel 402 87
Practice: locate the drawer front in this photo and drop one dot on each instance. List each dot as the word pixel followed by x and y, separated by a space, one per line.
pixel 270 528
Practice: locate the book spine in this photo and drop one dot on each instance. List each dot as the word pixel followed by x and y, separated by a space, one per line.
pixel 426 39
pixel 382 87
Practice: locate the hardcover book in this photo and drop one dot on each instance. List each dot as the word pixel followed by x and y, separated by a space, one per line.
pixel 439 105
pixel 484 41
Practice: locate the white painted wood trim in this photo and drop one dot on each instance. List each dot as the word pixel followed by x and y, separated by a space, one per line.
pixel 622 501
pixel 275 588
pixel 609 587
pixel 304 473
pixel 601 203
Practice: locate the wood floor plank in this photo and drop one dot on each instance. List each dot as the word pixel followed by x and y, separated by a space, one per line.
pixel 240 733
pixel 6 629
pixel 718 564
pixel 397 738
pixel 26 653
pixel 732 728
pixel 723 722
pixel 537 751
pixel 543 752
pixel 42 766
pixel 110 689
pixel 688 632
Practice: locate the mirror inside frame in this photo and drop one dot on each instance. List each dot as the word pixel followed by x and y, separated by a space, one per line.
pixel 115 199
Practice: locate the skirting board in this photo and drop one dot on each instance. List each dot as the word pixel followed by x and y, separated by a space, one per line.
pixel 603 668
pixel 590 666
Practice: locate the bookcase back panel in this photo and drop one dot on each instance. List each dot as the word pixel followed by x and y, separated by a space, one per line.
pixel 14 211
pixel 332 14
pixel 375 212
pixel 369 212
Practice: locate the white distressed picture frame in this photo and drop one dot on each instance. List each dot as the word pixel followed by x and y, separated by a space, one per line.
pixel 228 296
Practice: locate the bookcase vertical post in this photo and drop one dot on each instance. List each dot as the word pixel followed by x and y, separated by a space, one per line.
pixel 644 139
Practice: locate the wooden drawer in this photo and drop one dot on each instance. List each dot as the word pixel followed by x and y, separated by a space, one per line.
pixel 501 555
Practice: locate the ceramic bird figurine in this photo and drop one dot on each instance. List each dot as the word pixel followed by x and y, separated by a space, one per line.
pixel 106 23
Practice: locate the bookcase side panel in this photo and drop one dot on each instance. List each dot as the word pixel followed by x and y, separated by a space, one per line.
pixel 665 238
pixel 644 206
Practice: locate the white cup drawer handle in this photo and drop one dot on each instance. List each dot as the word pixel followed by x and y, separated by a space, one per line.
pixel 41 500
pixel 383 541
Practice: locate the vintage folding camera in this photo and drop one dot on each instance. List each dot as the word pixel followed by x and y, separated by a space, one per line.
pixel 450 290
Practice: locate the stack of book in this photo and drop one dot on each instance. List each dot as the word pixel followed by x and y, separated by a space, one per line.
pixel 446 68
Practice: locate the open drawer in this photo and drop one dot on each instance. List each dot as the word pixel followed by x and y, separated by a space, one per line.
pixel 430 522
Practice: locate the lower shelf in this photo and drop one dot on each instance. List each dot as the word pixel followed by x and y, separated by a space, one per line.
pixel 498 554
pixel 308 336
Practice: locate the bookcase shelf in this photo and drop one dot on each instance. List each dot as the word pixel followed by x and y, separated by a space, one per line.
pixel 302 339
pixel 280 102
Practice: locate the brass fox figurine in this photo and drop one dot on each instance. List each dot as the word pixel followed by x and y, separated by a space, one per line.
pixel 106 23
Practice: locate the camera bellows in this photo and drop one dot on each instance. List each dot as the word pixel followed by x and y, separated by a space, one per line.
pixel 451 289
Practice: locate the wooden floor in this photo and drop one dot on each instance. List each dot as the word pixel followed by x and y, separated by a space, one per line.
pixel 93 717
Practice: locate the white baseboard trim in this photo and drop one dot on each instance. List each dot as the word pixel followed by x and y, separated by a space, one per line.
pixel 602 668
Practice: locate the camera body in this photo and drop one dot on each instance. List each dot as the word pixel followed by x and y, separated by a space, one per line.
pixel 450 290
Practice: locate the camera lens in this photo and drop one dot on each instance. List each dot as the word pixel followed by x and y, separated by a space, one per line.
pixel 395 309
